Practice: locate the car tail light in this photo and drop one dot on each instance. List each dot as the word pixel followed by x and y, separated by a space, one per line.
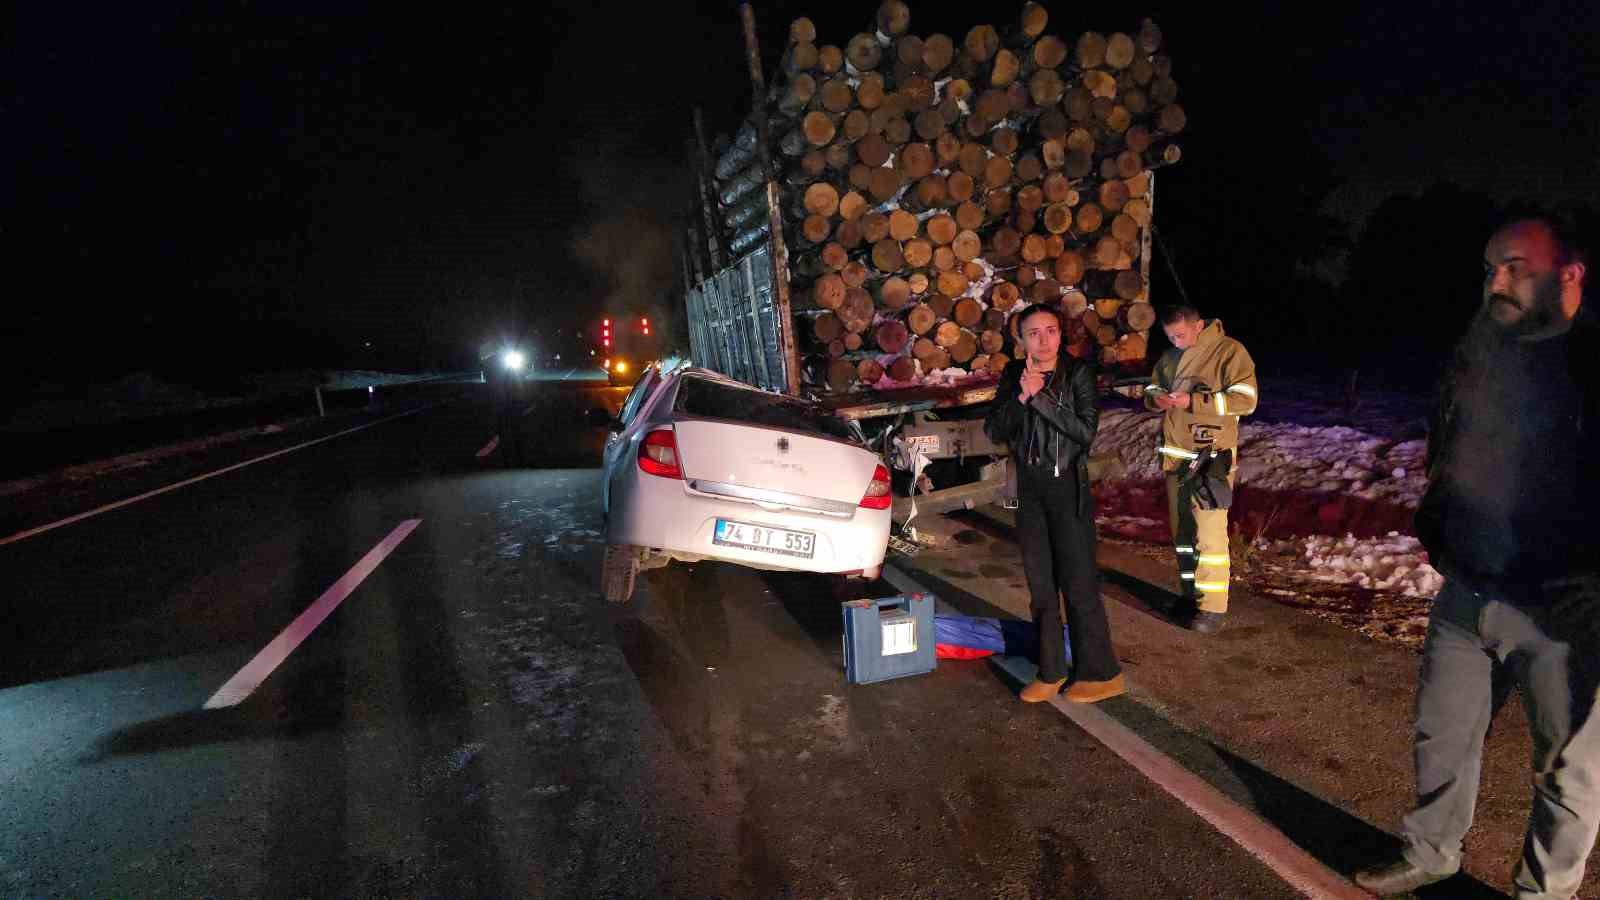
pixel 658 454
pixel 877 495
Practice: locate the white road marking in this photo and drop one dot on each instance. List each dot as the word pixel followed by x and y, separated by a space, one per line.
pixel 1259 838
pixel 489 447
pixel 244 683
pixel 41 529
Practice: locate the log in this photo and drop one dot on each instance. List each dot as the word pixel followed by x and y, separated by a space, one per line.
pixel 1075 304
pixel 965 347
pixel 946 334
pixel 967 246
pixel 1149 37
pixel 1136 101
pixel 941 229
pixel 960 187
pixel 930 191
pixel 803 31
pixel 921 319
pixel 836 348
pixel 1129 285
pixel 1089 218
pixel 1045 87
pixel 857 311
pixel 883 183
pixel 1118 119
pixel 857 125
pixel 1139 316
pixel 893 18
pixel 1132 349
pixel 971 159
pixel 952 282
pixel 891 336
pixel 903 369
pixel 812 166
pixel 1078 164
pixel 834 256
pixel 848 234
pixel 938 52
pixel 873 151
pixel 897 131
pixel 1077 104
pixel 862 54
pixel 1029 168
pixel 800 58
pixel 1005 69
pixel 827 327
pixel 1120 51
pixel 852 206
pixel 1107 308
pixel 870 91
pixel 944 259
pixel 742 185
pixel 1113 196
pixel 1163 90
pixel 1033 249
pixel 1125 230
pixel 822 199
pixel 745 240
pixel 874 227
pixel 991 341
pixel 797 94
pixel 968 313
pixel 969 217
pixel 998 363
pixel 1091 50
pixel 941 304
pixel 894 293
pixel 1106 253
pixel 1004 141
pixel 929 124
pixel 981 43
pixel 739 155
pixel 1100 84
pixel 1054 154
pixel 828 291
pixel 1005 242
pixel 918 282
pixel 841 375
pixel 998 202
pixel 854 274
pixel 994 319
pixel 1055 245
pixel 816 229
pixel 1045 290
pixel 886 256
pixel 1033 21
pixel 1143 70
pixel 1105 335
pixel 818 128
pixel 980 363
pixel 869 371
pixel 1138 209
pixel 1003 295
pixel 908 53
pixel 1029 199
pixel 1129 163
pixel 903 226
pixel 918 253
pixel 1137 139
pixel 1025 276
pixel 1171 119
pixel 751 209
pixel 830 59
pixel 860 177
pixel 918 91
pixel 916 160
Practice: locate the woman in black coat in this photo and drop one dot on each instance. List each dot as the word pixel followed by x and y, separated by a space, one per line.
pixel 1045 411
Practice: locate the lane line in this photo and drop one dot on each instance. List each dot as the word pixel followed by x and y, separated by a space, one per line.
pixel 79 517
pixel 489 447
pixel 247 679
pixel 1258 837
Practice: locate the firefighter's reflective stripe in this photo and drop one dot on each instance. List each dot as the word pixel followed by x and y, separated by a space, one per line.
pixel 1177 452
pixel 1222 403
pixel 1186 576
pixel 1211 587
pixel 1184 549
pixel 1213 560
pixel 1244 389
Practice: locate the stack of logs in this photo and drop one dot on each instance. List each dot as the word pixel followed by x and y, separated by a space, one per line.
pixel 931 187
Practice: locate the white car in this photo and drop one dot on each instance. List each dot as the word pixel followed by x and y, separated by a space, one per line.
pixel 702 467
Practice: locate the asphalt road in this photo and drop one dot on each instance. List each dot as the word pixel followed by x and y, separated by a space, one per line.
pixel 474 720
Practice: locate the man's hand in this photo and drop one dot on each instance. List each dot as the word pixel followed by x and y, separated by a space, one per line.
pixel 1175 400
pixel 1032 383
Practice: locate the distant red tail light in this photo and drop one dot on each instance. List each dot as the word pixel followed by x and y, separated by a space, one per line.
pixel 877 495
pixel 658 454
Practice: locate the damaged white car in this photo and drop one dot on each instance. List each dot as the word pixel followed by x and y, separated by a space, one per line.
pixel 701 467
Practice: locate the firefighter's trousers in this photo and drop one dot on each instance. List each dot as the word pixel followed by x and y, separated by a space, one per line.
pixel 1201 538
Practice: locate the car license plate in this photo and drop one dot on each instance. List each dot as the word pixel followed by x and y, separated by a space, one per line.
pixel 771 540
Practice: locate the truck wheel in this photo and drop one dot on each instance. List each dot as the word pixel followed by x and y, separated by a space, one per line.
pixel 618 570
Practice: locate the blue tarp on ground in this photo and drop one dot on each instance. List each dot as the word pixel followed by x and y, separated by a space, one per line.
pixel 1010 637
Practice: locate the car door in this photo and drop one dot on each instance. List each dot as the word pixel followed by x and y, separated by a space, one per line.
pixel 617 441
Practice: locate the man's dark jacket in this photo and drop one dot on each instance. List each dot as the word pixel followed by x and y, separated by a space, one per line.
pixel 1513 474
pixel 1053 432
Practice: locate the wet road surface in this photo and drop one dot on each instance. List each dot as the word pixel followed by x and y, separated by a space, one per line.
pixel 474 720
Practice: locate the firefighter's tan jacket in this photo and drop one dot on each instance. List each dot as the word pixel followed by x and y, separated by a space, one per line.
pixel 1221 380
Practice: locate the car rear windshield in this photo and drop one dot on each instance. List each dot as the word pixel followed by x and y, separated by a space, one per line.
pixel 704 397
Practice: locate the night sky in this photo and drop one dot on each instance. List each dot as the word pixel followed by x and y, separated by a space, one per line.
pixel 253 185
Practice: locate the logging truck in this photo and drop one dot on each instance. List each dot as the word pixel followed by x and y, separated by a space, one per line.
pixel 863 236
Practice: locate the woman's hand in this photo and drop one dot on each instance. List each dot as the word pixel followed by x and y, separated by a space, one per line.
pixel 1032 383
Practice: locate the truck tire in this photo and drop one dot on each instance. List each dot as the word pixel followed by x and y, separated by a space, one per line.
pixel 618 570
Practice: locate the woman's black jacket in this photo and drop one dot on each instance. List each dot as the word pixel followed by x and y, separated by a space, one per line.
pixel 1054 430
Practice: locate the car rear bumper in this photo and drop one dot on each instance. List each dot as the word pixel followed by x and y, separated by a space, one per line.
pixel 662 514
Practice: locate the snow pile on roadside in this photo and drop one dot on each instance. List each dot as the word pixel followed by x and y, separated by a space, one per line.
pixel 1332 459
pixel 1395 564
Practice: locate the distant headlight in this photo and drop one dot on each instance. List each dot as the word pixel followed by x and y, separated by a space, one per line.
pixel 513 360
pixel 622 367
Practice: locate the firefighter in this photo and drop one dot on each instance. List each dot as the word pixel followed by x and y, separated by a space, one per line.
pixel 1202 385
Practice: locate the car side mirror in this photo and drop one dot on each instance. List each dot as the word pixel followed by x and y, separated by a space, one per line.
pixel 601 418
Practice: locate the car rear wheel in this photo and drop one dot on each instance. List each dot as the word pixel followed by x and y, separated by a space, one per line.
pixel 618 570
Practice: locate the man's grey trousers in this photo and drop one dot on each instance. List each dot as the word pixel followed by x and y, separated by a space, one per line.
pixel 1478 647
